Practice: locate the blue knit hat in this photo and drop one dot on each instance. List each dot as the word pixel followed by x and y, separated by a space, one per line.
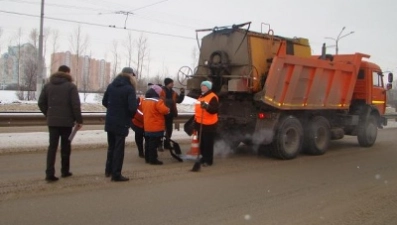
pixel 207 83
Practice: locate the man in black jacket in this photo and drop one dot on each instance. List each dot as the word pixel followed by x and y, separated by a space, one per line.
pixel 120 101
pixel 59 101
pixel 171 98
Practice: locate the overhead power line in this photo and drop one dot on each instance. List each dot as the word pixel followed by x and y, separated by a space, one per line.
pixel 61 5
pixel 102 25
pixel 143 7
pixel 106 11
pixel 127 13
pixel 85 8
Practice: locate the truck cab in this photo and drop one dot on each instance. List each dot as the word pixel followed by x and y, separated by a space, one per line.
pixel 370 86
pixel 371 90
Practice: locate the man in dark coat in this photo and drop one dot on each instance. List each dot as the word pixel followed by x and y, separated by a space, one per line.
pixel 120 101
pixel 171 98
pixel 59 101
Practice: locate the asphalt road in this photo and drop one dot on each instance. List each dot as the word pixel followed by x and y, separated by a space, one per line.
pixel 30 129
pixel 347 185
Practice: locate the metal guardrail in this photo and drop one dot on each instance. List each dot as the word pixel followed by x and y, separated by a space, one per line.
pixel 390 116
pixel 25 119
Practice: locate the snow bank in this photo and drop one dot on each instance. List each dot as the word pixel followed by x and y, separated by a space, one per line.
pixel 8 97
pixel 11 97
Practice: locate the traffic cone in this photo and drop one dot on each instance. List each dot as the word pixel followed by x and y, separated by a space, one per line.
pixel 194 150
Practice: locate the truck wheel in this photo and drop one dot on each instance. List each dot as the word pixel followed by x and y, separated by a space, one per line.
pixel 367 132
pixel 317 136
pixel 288 139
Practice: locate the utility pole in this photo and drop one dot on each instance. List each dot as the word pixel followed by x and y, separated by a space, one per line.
pixel 337 39
pixel 40 68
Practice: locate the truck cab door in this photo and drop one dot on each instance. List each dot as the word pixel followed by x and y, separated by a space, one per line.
pixel 378 92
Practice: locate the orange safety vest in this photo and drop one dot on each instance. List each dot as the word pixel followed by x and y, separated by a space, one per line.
pixel 138 118
pixel 208 118
pixel 154 111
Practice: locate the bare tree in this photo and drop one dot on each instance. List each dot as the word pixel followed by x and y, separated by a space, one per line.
pixel 86 76
pixel 34 37
pixel 129 44
pixel 1 34
pixel 28 72
pixel 55 46
pixel 142 86
pixel 115 52
pixel 2 64
pixel 7 67
pixel 158 79
pixel 142 54
pixel 79 43
pixel 46 35
pixel 105 76
pixel 148 65
pixel 30 78
pixel 19 55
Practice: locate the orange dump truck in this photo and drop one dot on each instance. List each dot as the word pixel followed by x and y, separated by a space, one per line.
pixel 276 96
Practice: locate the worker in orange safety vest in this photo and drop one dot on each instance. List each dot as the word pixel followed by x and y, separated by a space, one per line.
pixel 137 127
pixel 206 120
pixel 154 110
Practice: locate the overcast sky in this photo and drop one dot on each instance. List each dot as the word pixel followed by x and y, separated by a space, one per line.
pixel 373 23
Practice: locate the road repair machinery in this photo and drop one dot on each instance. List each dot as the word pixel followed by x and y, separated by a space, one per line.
pixel 274 94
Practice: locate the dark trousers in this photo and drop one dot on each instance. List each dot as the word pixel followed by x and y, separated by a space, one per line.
pixel 115 155
pixel 151 145
pixel 139 137
pixel 169 122
pixel 55 134
pixel 207 147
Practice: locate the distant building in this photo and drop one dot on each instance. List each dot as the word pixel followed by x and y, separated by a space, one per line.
pixel 18 66
pixel 90 75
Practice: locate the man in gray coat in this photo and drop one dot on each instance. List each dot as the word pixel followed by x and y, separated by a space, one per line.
pixel 59 101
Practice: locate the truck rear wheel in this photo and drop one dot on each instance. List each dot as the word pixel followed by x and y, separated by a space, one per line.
pixel 367 132
pixel 288 139
pixel 317 136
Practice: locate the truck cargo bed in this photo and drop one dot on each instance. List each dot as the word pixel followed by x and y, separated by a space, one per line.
pixel 299 83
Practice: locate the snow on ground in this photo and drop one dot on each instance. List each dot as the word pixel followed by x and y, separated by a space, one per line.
pixel 8 97
pixel 90 102
pixel 11 97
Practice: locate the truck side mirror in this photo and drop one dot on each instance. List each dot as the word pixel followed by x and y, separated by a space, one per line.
pixel 389 86
pixel 390 77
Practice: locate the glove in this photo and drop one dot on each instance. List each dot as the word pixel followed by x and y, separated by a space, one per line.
pixel 182 91
pixel 204 105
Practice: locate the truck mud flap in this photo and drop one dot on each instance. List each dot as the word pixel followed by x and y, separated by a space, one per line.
pixel 264 131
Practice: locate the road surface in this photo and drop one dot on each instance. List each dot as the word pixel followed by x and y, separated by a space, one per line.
pixel 347 185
